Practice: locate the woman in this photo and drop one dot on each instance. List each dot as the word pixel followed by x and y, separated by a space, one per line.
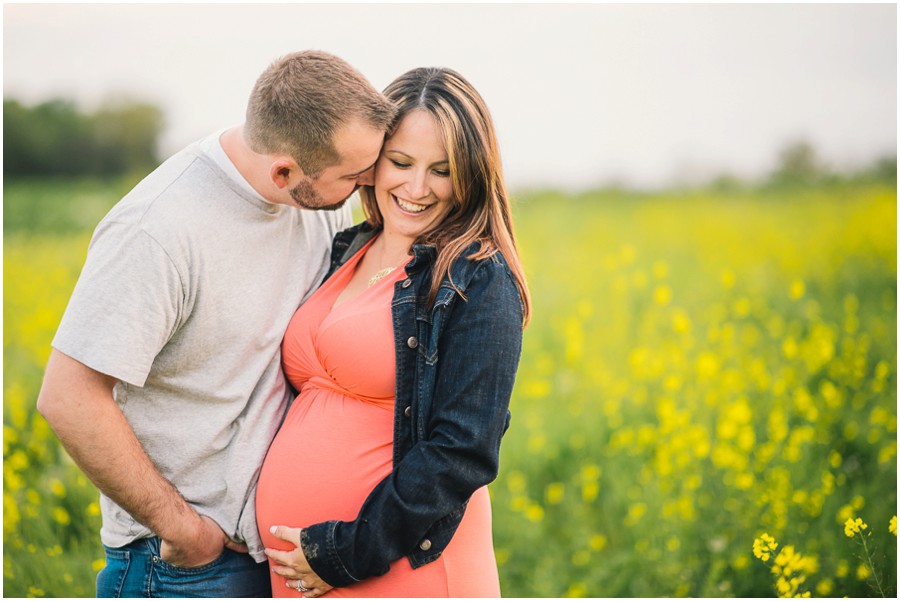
pixel 404 360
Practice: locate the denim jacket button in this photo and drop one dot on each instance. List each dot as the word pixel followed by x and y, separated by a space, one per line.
pixel 412 342
pixel 406 283
pixel 425 545
pixel 408 411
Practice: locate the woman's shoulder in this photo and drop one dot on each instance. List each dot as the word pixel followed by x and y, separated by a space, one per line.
pixel 482 269
pixel 487 286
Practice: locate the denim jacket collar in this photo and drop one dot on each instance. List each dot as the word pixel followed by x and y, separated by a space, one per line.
pixel 349 241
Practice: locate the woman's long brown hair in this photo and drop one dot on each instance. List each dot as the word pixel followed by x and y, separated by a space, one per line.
pixel 481 210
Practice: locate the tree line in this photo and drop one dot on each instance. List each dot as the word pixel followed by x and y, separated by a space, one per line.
pixel 56 138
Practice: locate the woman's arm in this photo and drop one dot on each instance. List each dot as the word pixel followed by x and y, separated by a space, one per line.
pixel 478 353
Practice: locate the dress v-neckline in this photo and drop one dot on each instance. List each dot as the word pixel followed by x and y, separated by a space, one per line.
pixel 352 265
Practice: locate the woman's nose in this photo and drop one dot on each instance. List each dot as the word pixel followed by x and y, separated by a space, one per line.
pixel 417 186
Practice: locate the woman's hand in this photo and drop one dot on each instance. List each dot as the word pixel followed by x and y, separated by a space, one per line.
pixel 293 565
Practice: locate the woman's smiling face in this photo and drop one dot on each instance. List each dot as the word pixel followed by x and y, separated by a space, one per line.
pixel 413 187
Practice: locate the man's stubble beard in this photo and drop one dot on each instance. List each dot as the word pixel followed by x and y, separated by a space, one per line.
pixel 305 196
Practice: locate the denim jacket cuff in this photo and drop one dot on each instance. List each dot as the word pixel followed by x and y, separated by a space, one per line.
pixel 319 547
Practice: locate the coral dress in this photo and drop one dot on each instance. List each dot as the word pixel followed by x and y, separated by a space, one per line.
pixel 336 443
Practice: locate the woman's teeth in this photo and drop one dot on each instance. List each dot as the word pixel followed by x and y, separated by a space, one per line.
pixel 410 208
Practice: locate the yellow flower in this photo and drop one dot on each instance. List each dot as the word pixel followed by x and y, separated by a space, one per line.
pixel 57 488
pixel 852 527
pixel 788 561
pixel 681 323
pixel 515 480
pixel 577 589
pixel 635 513
pixel 590 471
pixel 555 493
pixel 893 526
pixel 845 513
pixel 581 558
pixel 61 516
pixel 791 569
pixel 842 569
pixel 534 513
pixel 728 278
pixel 740 562
pixel 764 546
pixel 589 491
pixel 662 295
pixel 825 587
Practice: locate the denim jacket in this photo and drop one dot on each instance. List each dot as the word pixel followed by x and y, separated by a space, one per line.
pixel 456 364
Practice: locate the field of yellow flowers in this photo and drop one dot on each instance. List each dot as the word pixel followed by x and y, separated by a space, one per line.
pixel 706 404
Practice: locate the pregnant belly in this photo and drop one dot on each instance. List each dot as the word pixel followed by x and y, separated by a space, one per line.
pixel 328 455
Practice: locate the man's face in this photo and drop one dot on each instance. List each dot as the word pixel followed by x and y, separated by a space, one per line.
pixel 358 144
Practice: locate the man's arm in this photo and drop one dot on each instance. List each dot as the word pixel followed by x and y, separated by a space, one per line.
pixel 78 403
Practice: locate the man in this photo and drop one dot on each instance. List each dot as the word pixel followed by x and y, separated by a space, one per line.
pixel 165 381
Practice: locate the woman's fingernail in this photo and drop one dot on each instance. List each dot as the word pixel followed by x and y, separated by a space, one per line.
pixel 273 529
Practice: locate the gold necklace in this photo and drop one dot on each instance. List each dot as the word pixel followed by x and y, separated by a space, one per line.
pixel 379 275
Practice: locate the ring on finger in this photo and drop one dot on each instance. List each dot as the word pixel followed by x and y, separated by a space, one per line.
pixel 300 586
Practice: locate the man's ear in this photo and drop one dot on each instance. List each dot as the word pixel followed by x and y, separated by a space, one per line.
pixel 284 171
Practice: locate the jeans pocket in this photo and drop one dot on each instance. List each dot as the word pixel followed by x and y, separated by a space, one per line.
pixel 111 579
pixel 231 574
pixel 207 567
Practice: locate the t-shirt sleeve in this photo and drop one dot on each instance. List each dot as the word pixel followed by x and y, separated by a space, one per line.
pixel 126 305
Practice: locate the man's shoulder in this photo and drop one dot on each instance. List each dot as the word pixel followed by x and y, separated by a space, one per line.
pixel 182 197
pixel 178 176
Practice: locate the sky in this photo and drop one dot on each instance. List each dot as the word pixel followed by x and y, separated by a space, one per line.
pixel 582 95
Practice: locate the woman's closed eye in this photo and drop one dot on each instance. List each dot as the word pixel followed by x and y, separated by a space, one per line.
pixel 403 165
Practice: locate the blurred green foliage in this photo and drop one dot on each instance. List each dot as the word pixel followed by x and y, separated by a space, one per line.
pixel 59 205
pixel 799 165
pixel 55 138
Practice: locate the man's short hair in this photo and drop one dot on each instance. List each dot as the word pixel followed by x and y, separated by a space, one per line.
pixel 300 101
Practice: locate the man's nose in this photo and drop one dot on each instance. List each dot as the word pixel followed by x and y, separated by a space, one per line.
pixel 367 177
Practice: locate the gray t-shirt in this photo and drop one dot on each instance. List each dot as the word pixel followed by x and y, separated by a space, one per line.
pixel 189 284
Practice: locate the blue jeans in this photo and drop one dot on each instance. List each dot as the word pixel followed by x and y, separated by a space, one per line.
pixel 137 570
